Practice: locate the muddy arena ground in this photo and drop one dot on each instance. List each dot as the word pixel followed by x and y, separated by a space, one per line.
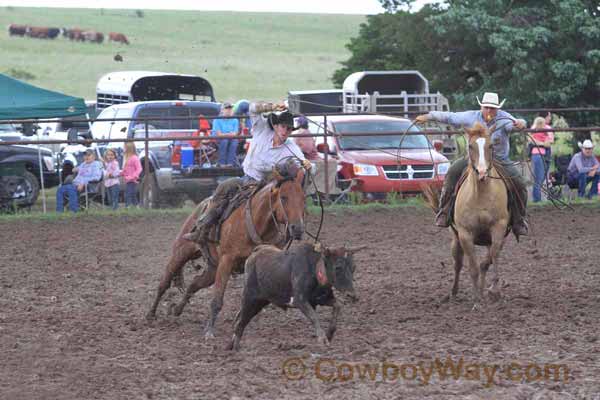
pixel 74 293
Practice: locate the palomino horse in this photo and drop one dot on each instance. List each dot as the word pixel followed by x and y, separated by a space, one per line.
pixel 280 202
pixel 481 215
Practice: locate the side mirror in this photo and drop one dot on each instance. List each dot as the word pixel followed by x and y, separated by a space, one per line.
pixel 438 145
pixel 324 148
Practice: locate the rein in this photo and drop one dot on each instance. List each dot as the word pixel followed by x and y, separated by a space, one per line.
pixel 251 227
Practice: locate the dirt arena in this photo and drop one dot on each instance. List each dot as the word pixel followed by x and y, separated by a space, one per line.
pixel 74 293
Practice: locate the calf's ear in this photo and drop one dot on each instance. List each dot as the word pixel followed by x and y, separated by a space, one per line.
pixel 321 273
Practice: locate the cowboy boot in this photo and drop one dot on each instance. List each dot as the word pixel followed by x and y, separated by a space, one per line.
pixel 441 218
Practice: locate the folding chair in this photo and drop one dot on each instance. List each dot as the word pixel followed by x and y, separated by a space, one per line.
pixel 344 187
pixel 92 195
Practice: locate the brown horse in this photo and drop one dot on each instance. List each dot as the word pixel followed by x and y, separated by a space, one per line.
pixel 481 215
pixel 280 202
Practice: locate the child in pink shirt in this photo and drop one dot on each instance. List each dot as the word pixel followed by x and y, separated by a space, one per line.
pixel 111 177
pixel 132 168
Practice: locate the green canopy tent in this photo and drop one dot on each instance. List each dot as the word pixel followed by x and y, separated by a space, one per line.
pixel 20 100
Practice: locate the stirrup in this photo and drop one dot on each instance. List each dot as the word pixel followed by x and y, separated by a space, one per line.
pixel 441 219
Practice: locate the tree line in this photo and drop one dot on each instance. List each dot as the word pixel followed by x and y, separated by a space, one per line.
pixel 535 53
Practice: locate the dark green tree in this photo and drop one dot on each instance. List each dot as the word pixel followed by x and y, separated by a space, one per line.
pixel 533 52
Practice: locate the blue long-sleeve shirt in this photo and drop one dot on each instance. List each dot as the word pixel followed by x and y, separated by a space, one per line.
pixel 87 172
pixel 500 136
pixel 581 165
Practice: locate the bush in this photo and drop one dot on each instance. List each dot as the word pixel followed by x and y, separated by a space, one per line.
pixel 20 74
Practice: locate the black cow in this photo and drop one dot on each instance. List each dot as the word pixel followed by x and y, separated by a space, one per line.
pixel 17 30
pixel 301 277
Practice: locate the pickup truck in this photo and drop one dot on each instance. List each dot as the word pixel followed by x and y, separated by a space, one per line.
pixel 377 164
pixel 171 175
pixel 20 171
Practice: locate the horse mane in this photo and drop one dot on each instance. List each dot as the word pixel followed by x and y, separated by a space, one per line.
pixel 285 171
pixel 478 130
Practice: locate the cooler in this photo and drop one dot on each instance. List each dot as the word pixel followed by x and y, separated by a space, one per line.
pixel 187 156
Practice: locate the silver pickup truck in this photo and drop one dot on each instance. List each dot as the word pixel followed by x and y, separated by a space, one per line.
pixel 177 168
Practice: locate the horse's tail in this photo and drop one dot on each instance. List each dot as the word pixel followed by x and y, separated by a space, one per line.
pixel 432 197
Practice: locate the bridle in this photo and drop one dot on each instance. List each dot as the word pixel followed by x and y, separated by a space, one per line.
pixel 282 234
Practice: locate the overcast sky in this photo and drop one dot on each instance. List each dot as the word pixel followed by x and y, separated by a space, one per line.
pixel 361 7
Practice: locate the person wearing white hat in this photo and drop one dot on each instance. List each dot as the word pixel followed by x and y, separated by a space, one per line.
pixel 503 124
pixel 583 169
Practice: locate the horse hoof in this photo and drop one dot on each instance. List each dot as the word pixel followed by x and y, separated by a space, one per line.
pixel 174 310
pixel 494 296
pixel 150 316
pixel 445 299
pixel 323 340
pixel 209 335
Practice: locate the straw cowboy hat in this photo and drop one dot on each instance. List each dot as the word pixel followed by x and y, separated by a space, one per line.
pixel 587 144
pixel 490 99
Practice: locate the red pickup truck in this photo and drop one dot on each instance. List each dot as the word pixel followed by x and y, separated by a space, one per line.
pixel 378 163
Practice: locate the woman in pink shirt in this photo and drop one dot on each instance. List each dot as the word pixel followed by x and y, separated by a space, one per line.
pixel 541 141
pixel 132 168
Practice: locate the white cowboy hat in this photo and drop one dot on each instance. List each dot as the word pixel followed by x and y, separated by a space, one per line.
pixel 587 144
pixel 490 99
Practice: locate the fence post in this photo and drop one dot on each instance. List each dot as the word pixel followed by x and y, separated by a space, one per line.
pixel 146 162
pixel 325 159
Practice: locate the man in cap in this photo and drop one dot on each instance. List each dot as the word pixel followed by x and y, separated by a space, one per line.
pixel 272 125
pixel 88 171
pixel 227 127
pixel 583 169
pixel 503 124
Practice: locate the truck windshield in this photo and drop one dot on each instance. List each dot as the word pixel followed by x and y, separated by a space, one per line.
pixel 375 141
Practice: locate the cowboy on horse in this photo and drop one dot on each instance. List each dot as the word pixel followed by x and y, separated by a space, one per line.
pixel 501 124
pixel 270 145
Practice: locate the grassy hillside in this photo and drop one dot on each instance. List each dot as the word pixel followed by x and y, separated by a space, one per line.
pixel 243 55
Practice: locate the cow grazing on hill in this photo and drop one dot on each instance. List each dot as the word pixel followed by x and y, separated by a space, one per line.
pixel 17 30
pixel 117 37
pixel 75 34
pixel 301 277
pixel 93 36
pixel 38 32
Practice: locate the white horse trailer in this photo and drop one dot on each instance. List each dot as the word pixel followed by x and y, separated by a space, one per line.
pixel 130 86
pixel 398 92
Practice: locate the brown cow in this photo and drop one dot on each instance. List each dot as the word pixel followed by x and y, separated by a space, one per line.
pixel 93 36
pixel 117 37
pixel 17 30
pixel 74 34
pixel 37 32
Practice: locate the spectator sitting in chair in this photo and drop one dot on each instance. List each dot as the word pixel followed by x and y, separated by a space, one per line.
pixel 90 170
pixel 227 127
pixel 583 169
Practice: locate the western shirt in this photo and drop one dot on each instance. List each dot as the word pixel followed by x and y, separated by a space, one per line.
pixel 503 126
pixel 262 155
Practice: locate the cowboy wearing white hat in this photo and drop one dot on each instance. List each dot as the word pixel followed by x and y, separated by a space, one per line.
pixel 583 169
pixel 503 124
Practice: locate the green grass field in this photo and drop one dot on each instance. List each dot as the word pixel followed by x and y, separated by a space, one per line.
pixel 244 55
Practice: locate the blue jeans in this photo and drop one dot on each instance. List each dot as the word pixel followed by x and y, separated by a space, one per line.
pixel 539 174
pixel 71 191
pixel 131 194
pixel 581 181
pixel 227 151
pixel 113 196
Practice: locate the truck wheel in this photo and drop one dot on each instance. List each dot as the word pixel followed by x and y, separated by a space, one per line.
pixel 31 188
pixel 150 191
